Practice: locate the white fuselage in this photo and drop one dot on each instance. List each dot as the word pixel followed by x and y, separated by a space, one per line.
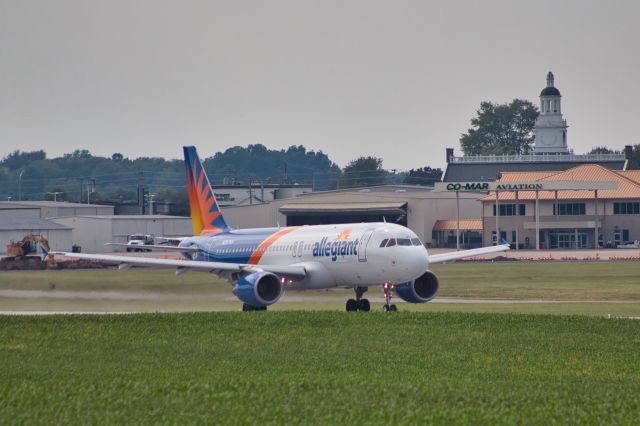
pixel 345 255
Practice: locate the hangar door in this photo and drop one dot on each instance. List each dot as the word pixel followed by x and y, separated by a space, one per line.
pixel 331 213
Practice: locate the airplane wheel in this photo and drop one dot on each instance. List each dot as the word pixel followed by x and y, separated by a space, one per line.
pixel 385 308
pixel 364 305
pixel 393 308
pixel 352 305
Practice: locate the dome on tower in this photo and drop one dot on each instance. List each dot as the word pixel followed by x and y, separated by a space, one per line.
pixel 550 91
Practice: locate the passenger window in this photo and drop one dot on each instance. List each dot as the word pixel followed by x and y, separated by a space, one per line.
pixel 384 242
pixel 392 242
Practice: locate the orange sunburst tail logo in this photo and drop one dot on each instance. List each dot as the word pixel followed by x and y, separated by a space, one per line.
pixel 206 216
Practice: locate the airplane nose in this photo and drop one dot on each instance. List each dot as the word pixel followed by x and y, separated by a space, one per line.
pixel 416 261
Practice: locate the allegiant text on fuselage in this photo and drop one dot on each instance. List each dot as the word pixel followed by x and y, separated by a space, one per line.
pixel 333 249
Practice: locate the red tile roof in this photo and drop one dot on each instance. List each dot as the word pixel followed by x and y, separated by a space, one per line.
pixel 465 225
pixel 628 184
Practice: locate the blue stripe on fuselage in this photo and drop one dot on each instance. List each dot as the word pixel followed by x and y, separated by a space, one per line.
pixel 235 246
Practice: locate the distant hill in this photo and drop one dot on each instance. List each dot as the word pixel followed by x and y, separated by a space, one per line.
pixel 116 178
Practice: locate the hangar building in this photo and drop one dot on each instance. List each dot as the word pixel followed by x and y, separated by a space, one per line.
pixel 417 207
pixel 47 209
pixel 59 236
pixel 93 232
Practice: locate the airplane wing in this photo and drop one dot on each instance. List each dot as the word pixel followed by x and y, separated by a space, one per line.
pixel 155 247
pixel 222 269
pixel 455 255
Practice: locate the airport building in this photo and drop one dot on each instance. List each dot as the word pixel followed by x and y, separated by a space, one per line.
pixel 91 233
pixel 417 207
pixel 566 219
pixel 256 193
pixel 15 229
pixel 48 209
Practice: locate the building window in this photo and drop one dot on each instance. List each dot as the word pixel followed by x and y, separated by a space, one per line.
pixel 626 208
pixel 513 236
pixel 616 236
pixel 569 209
pixel 510 209
pixel 503 236
pixel 625 235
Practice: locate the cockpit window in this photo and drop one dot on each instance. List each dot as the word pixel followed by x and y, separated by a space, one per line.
pixel 384 242
pixel 392 242
pixel 416 242
pixel 404 242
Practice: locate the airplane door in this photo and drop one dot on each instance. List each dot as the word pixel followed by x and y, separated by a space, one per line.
pixel 362 246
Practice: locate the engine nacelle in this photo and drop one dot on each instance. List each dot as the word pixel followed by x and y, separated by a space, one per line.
pixel 258 289
pixel 420 290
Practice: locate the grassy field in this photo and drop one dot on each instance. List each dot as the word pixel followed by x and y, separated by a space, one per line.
pixel 602 288
pixel 320 368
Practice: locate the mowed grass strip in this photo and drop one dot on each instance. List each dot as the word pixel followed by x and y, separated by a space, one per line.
pixel 579 281
pixel 319 367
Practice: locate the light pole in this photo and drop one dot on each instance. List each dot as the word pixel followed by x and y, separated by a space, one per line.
pixel 20 185
pixel 55 195
pixel 151 203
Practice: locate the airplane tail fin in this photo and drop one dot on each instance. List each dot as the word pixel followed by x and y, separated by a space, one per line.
pixel 206 216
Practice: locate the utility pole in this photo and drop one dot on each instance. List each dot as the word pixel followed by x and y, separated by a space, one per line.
pixel 20 185
pixel 141 192
pixel 91 188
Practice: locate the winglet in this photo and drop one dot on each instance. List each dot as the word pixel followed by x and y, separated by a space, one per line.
pixel 206 216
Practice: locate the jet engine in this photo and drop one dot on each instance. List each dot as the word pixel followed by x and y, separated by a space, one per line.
pixel 258 289
pixel 420 290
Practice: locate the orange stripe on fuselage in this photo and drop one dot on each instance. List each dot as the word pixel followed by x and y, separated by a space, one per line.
pixel 262 248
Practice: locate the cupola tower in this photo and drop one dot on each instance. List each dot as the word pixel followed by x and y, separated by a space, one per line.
pixel 550 128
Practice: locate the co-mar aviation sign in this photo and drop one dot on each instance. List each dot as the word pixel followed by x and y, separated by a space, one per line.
pixel 523 186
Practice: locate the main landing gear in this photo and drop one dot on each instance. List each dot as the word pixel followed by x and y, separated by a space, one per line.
pixel 246 307
pixel 388 306
pixel 359 304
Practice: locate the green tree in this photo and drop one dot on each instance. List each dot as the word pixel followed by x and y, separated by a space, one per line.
pixel 423 176
pixel 603 150
pixel 501 129
pixel 363 171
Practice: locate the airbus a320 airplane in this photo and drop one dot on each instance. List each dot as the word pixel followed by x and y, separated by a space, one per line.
pixel 261 263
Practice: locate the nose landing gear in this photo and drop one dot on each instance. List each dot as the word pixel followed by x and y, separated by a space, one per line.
pixel 388 306
pixel 359 304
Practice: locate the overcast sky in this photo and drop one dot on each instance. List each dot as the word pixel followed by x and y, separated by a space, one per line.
pixel 395 79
